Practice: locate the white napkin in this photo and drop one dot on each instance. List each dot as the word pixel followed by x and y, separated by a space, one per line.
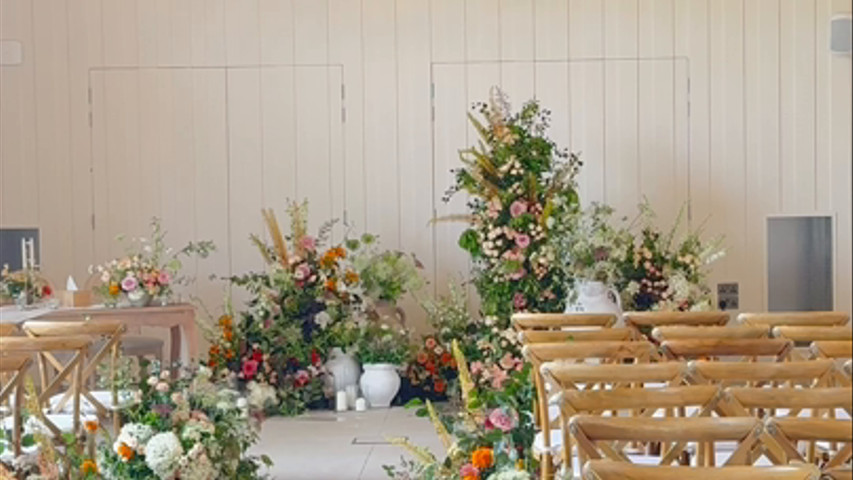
pixel 70 284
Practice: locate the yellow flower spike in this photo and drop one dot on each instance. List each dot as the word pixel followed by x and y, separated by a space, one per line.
pixel 440 429
pixel 421 453
pixel 465 382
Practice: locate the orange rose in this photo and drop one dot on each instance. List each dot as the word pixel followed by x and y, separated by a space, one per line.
pixel 91 426
pixel 126 453
pixel 211 363
pixel 214 350
pixel 225 321
pixel 483 458
pixel 114 289
pixel 331 285
pixel 227 334
pixel 89 466
pixel 470 477
pixel 229 354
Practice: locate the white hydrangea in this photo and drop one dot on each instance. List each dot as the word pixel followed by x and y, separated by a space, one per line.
pixel 509 475
pixel 134 435
pixel 163 454
pixel 261 395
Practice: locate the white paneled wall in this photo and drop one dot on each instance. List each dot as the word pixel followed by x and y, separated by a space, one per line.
pixel 204 111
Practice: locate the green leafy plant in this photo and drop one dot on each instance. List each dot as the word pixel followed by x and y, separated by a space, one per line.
pixel 379 343
pixel 384 275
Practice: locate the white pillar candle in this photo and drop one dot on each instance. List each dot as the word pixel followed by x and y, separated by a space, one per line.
pixel 360 405
pixel 352 395
pixel 23 254
pixel 341 401
pixel 32 253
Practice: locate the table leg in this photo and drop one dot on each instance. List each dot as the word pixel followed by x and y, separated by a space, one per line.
pixel 175 347
pixel 191 334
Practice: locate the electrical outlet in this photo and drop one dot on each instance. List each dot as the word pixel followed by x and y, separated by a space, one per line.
pixel 727 296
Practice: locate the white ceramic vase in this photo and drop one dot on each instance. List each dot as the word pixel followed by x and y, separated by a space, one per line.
pixel 344 369
pixel 380 383
pixel 595 297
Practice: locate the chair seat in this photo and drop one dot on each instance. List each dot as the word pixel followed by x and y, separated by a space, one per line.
pixel 105 397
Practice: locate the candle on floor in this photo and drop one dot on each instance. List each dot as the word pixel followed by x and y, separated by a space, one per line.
pixel 341 401
pixel 360 405
pixel 352 395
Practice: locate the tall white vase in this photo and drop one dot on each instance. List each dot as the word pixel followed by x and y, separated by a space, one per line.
pixel 595 297
pixel 344 369
pixel 380 383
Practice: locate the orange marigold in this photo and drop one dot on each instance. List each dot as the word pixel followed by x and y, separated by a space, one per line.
pixel 225 321
pixel 114 289
pixel 483 458
pixel 213 351
pixel 331 285
pixel 91 426
pixel 350 277
pixel 470 477
pixel 125 452
pixel 229 354
pixel 228 335
pixel 88 466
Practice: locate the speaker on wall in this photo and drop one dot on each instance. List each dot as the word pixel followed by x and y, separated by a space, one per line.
pixel 840 34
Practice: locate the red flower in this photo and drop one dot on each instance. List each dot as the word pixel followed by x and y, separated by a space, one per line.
pixel 257 355
pixel 301 379
pixel 446 358
pixel 315 358
pixel 46 291
pixel 439 386
pixel 250 369
pixel 430 367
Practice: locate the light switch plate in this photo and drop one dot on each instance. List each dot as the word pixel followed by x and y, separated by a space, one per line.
pixel 727 296
pixel 11 53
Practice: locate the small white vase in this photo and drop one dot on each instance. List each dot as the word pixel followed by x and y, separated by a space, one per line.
pixel 595 297
pixel 380 383
pixel 344 369
pixel 139 298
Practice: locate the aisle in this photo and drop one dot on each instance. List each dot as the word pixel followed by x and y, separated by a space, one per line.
pixel 347 446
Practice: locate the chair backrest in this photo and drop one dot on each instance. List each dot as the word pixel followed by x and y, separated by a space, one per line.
pixel 37 345
pixel 14 366
pixel 837 349
pixel 539 353
pixel 795 399
pixel 564 374
pixel 595 434
pixel 7 329
pixel 814 372
pixel 659 319
pixel 610 470
pixel 681 332
pixel 787 432
pixel 811 334
pixel 40 328
pixel 777 319
pixel 557 321
pixel 722 347
pixel 557 336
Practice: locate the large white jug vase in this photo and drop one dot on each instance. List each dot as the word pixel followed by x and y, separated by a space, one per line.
pixel 595 297
pixel 344 369
pixel 379 384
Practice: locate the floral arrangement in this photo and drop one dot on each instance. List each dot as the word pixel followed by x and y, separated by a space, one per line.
pixel 590 246
pixel 432 368
pixel 662 271
pixel 379 343
pixel 149 269
pixel 193 428
pixel 384 275
pixel 486 439
pixel 301 306
pixel 26 286
pixel 519 183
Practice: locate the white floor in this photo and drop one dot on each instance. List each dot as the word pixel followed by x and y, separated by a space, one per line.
pixel 345 446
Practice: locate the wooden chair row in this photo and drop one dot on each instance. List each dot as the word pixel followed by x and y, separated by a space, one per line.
pixel 610 470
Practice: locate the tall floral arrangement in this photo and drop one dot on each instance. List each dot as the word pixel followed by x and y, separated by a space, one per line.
pixel 667 270
pixel 518 182
pixel 150 269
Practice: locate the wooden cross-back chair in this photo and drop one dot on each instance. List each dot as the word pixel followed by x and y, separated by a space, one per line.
pixel 8 329
pixel 835 349
pixel 610 470
pixel 559 321
pixel 72 370
pixel 603 351
pixel 805 335
pixel 14 366
pixel 682 332
pixel 788 432
pixel 111 332
pixel 592 432
pixel 644 322
pixel 566 377
pixel 687 349
pixel 822 402
pixel 812 373
pixel 619 334
pixel 778 319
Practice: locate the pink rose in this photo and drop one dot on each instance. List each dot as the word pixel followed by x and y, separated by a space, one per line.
pixel 250 369
pixel 164 278
pixel 476 367
pixel 495 207
pixel 469 470
pixel 522 240
pixel 501 420
pixel 309 243
pixel 162 387
pixel 517 208
pixel 302 271
pixel 518 301
pixel 498 377
pixel 301 379
pixel 518 274
pixel 508 361
pixel 129 284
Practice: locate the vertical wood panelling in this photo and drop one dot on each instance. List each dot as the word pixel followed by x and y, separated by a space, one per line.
pixel 761 91
pixel 768 125
pixel 380 121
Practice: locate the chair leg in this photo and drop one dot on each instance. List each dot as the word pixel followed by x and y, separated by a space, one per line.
pixel 16 415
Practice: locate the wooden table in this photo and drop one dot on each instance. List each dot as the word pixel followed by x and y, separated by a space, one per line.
pixel 178 318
